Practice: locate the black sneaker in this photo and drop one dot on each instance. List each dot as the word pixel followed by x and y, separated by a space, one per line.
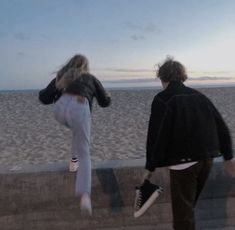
pixel 146 194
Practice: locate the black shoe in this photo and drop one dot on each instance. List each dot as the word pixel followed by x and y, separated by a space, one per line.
pixel 146 194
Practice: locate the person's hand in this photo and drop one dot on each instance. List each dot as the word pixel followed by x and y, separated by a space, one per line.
pixel 146 176
pixel 229 166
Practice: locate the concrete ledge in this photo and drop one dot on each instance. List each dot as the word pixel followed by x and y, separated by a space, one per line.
pixel 63 166
pixel 42 197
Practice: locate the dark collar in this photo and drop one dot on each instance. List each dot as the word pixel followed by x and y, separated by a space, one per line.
pixel 175 84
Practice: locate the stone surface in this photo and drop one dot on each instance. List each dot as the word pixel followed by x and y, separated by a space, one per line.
pixel 42 197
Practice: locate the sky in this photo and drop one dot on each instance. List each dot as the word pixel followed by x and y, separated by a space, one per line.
pixel 122 39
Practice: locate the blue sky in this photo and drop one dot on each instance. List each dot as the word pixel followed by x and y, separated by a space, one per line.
pixel 121 38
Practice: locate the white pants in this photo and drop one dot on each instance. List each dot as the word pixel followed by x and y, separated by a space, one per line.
pixel 76 116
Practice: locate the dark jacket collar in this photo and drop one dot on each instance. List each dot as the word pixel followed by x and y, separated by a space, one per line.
pixel 175 84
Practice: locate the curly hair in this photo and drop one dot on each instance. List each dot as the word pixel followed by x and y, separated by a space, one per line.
pixel 171 70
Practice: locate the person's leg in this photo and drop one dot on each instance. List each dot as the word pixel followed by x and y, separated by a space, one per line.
pixel 60 108
pixel 186 186
pixel 79 120
pixel 81 147
pixel 203 172
pixel 61 115
pixel 183 185
pixel 76 116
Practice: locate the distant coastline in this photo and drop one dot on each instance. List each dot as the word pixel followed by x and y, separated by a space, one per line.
pixel 150 83
pixel 156 84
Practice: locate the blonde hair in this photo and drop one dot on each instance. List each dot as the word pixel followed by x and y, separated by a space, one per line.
pixel 71 71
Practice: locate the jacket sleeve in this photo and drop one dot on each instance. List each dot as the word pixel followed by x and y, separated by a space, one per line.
pixel 50 94
pixel 223 134
pixel 103 98
pixel 158 110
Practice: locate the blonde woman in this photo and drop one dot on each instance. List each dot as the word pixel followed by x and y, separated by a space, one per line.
pixel 73 91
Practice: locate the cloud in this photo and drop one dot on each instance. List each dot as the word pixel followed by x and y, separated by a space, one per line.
pixel 212 72
pixel 206 78
pixel 136 37
pixel 140 31
pixel 146 28
pixel 132 26
pixel 129 70
pixel 21 36
pixel 151 28
pixel 43 37
pixel 20 54
pixel 138 80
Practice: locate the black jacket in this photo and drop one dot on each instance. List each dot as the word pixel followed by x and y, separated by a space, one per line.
pixel 86 85
pixel 185 126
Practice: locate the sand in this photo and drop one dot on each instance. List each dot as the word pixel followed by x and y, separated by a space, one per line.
pixel 30 135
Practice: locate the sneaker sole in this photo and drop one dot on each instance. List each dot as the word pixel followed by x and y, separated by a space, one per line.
pixel 73 170
pixel 147 204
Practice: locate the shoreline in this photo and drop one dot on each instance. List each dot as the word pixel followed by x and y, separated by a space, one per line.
pixel 158 87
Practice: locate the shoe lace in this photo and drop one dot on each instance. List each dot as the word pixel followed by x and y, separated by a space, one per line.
pixel 138 200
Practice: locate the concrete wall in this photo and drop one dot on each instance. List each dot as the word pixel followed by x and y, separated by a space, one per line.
pixel 42 198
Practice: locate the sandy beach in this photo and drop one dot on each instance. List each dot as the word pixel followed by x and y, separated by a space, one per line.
pixel 30 135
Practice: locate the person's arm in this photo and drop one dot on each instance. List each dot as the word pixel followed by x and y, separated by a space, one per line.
pixel 226 146
pixel 103 97
pixel 223 135
pixel 225 143
pixel 50 94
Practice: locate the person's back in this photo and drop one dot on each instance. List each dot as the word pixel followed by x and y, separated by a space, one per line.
pixel 89 86
pixel 193 123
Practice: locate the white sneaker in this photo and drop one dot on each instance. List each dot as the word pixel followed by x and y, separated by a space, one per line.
pixel 73 165
pixel 85 205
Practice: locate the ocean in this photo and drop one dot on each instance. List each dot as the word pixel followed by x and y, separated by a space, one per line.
pixel 149 83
